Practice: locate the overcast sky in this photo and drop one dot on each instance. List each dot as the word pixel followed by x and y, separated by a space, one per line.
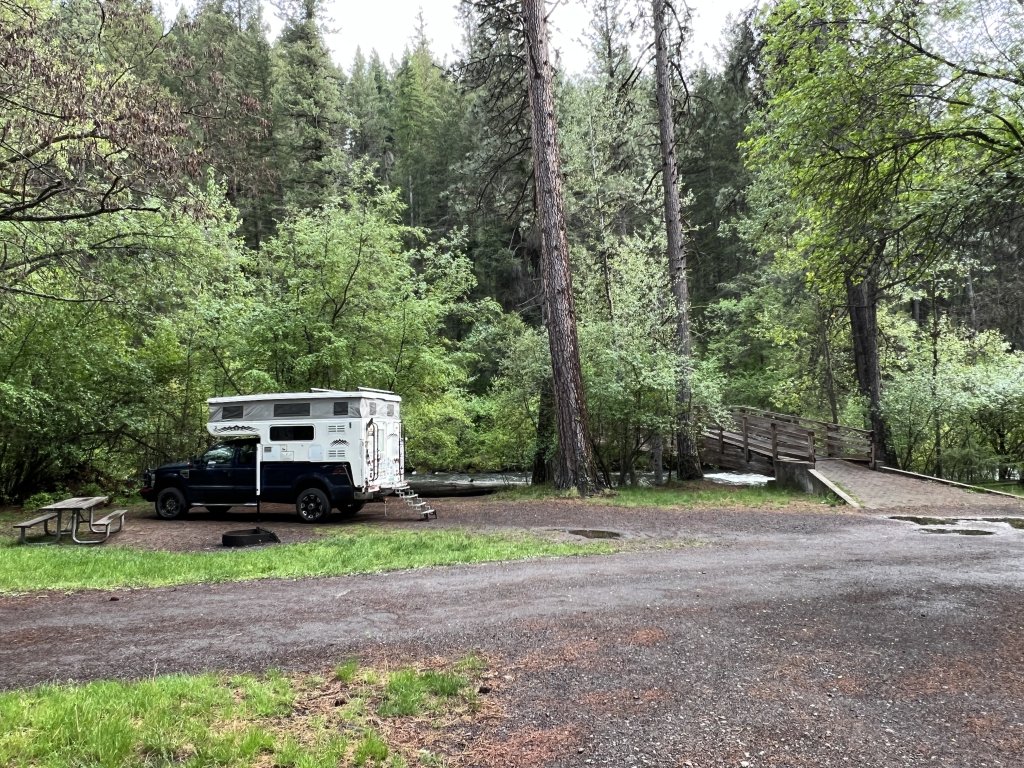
pixel 388 25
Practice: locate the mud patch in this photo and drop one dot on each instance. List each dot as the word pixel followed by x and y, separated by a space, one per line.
pixel 592 533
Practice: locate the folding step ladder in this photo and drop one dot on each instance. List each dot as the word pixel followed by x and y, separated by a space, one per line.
pixel 414 502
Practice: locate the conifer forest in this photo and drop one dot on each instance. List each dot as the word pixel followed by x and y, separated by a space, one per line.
pixel 566 273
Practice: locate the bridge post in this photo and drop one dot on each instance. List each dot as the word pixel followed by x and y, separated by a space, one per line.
pixel 810 445
pixel 746 444
pixel 775 441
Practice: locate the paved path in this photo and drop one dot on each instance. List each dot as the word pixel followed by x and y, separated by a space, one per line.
pixel 885 490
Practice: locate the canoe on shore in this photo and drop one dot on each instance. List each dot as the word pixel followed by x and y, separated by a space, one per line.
pixel 434 489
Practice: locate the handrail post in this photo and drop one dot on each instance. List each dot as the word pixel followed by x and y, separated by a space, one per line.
pixel 810 445
pixel 775 441
pixel 721 442
pixel 746 442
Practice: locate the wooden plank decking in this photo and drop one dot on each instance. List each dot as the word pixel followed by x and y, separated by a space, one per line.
pixel 754 440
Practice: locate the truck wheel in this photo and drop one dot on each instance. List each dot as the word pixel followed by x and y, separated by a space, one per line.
pixel 170 504
pixel 351 508
pixel 312 506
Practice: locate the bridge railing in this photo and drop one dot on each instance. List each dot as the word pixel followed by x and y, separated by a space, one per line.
pixel 778 435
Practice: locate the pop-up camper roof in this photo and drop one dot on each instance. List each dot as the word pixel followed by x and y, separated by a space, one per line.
pixel 316 404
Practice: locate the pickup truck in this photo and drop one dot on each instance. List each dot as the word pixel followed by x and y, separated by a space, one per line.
pixel 225 477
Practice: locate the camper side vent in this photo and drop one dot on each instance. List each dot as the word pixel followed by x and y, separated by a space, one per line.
pixel 334 428
pixel 336 453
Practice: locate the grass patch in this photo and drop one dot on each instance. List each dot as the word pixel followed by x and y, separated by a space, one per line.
pixel 1006 487
pixel 696 494
pixel 217 720
pixel 359 550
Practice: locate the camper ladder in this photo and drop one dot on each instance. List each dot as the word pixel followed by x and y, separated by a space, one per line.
pixel 414 502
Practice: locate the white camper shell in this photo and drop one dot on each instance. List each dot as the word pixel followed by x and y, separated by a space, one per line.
pixel 362 428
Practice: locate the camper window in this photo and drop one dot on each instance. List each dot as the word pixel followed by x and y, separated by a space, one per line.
pixel 231 413
pixel 300 432
pixel 290 410
pixel 341 408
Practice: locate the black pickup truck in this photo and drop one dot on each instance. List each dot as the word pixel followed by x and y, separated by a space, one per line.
pixel 225 477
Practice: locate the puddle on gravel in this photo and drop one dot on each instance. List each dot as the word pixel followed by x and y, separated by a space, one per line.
pixel 923 520
pixel 1013 522
pixel 589 533
pixel 951 524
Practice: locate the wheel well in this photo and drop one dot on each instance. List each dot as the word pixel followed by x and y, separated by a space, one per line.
pixel 306 483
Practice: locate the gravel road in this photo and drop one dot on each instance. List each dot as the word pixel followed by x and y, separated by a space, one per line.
pixel 786 638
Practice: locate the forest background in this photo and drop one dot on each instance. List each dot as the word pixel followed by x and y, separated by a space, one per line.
pixel 189 209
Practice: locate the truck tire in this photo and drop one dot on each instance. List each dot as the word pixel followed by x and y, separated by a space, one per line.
pixel 170 504
pixel 312 505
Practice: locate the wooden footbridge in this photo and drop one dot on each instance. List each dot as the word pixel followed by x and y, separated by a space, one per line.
pixel 754 440
pixel 820 457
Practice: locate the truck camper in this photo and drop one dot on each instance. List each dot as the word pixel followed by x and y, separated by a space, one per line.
pixel 321 450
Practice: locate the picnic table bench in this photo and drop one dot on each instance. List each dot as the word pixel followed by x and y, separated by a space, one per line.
pixel 44 519
pixel 79 510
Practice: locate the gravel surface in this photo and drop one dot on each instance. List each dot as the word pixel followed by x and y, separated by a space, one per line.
pixel 800 637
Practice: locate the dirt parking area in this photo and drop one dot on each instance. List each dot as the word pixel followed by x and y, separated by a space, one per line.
pixel 804 636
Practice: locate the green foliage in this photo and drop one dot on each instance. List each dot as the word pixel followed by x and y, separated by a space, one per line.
pixel 957 406
pixel 374 229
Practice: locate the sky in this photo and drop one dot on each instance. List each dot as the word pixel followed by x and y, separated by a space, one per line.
pixel 388 25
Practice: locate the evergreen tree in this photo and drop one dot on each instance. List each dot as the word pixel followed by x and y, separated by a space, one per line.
pixel 309 123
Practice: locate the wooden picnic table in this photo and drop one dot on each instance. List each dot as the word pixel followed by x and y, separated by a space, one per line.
pixel 76 510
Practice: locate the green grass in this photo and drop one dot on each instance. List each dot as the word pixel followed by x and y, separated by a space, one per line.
pixel 693 495
pixel 216 720
pixel 359 550
pixel 1006 487
pixel 410 692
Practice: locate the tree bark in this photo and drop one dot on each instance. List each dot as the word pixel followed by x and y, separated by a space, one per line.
pixel 574 465
pixel 687 456
pixel 862 303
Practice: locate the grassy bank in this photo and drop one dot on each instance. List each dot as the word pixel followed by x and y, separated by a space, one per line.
pixel 355 716
pixel 30 568
pixel 683 495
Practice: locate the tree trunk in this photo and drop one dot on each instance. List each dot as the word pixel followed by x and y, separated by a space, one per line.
pixel 830 382
pixel 862 301
pixel 687 456
pixel 574 465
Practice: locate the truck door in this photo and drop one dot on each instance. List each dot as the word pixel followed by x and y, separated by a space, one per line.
pixel 209 480
pixel 243 474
